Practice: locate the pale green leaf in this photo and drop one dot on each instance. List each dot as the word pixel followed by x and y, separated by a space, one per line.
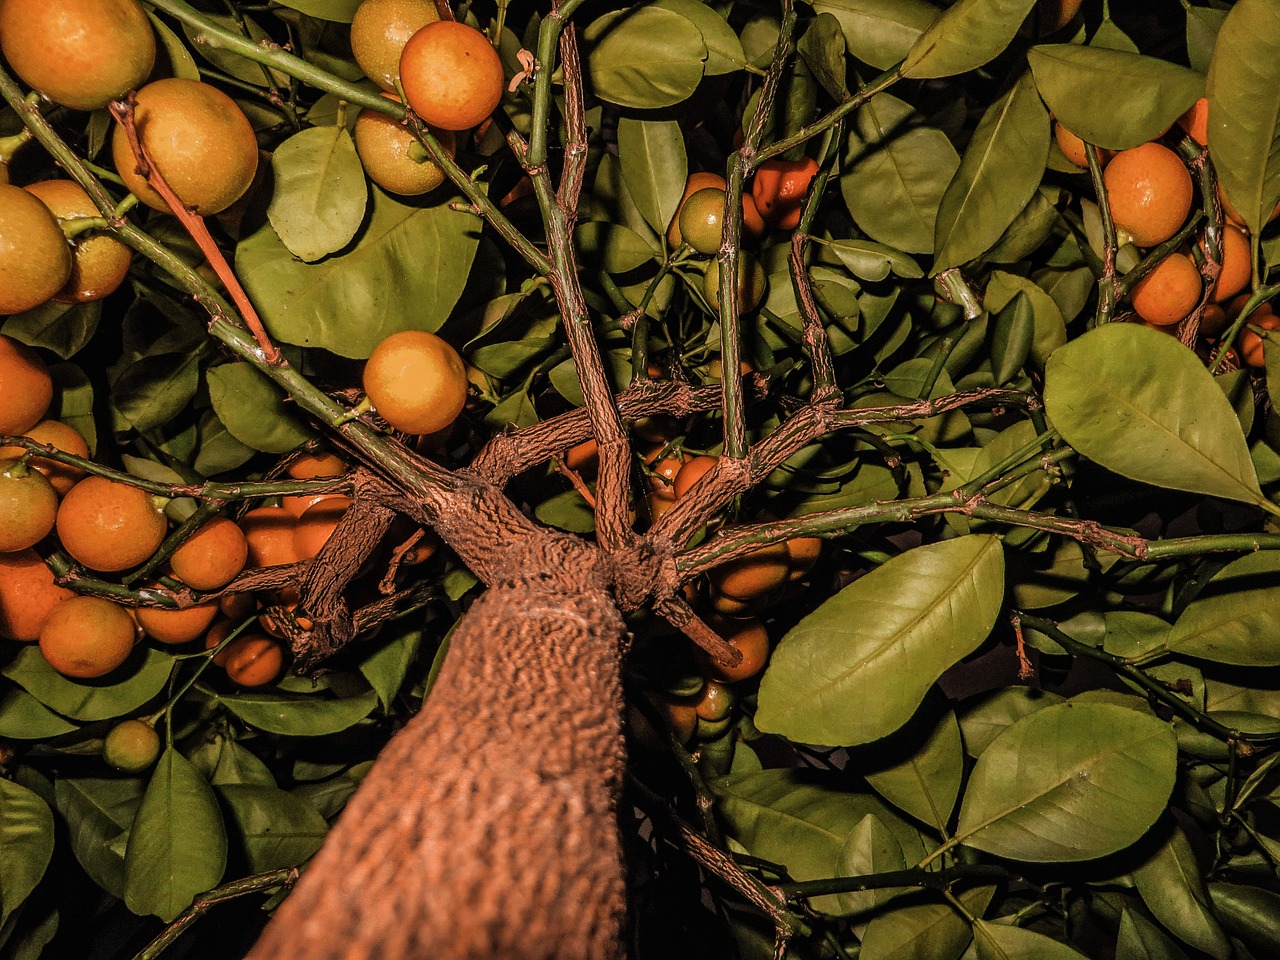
pixel 654 167
pixel 880 32
pixel 1171 885
pixel 320 192
pixel 646 58
pixel 1002 941
pixel 1236 619
pixel 926 782
pixel 965 36
pixel 26 844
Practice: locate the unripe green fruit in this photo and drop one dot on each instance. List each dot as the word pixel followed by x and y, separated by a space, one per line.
pixel 131 746
pixel 701 220
pixel 751 283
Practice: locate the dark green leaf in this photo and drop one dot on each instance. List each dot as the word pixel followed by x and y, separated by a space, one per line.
pixel 26 844
pixel 869 849
pixel 997 177
pixel 822 47
pixel 646 57
pixel 1050 329
pixel 654 167
pixel 1171 886
pixel 1250 914
pixel 181 63
pixel 212 49
pixel 857 668
pixel 1140 939
pixel 894 188
pixel 222 761
pixel 880 32
pixel 1203 24
pixel 984 719
pixel 1110 97
pixel 154 389
pixel 276 828
pixel 937 931
pixel 567 511
pixel 254 410
pixel 1244 109
pixel 926 782
pixel 872 261
pixel 724 49
pixel 1012 333
pixel 405 271
pixel 61 327
pixel 99 813
pixel 141 677
pixel 343 11
pixel 300 716
pixel 1107 394
pixel 1069 782
pixel 387 666
pixel 23 717
pixel 330 796
pixel 1237 618
pixel 1003 941
pixel 320 193
pixel 965 36
pixel 219 450
pixel 611 247
pixel 178 844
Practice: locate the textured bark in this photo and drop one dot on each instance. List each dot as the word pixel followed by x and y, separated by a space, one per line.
pixel 487 826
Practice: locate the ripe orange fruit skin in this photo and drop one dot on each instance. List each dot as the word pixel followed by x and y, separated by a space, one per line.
pixel 748 636
pixel 269 532
pixel 416 381
pixel 1250 344
pixel 715 701
pixel 99 262
pixel 109 526
pixel 379 32
pixel 701 219
pixel 317 524
pixel 253 660
pixel 28 595
pixel 173 627
pixel 26 389
pixel 692 471
pixel 1196 121
pixel 753 575
pixel 1233 215
pixel 35 258
pixel 386 149
pixel 131 746
pixel 1169 292
pixel 1072 147
pixel 1237 264
pixel 62 437
pixel 1149 190
pixel 312 465
pixel 779 188
pixel 663 473
pixel 212 556
pixel 751 221
pixel 451 75
pixel 200 140
pixel 87 637
pixel 28 506
pixel 79 53
pixel 803 553
pixel 584 457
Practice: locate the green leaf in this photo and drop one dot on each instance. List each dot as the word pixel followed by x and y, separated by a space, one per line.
pixel 1001 941
pixel 276 828
pixel 894 189
pixel 1244 109
pixel 822 48
pixel 1069 782
pixel 1050 328
pixel 857 668
pixel 1237 618
pixel 1250 914
pixel 212 49
pixel 880 32
pixel 724 49
pixel 222 761
pixel 1112 98
pixel 1171 886
pixel 300 716
pixel 30 939
pixel 99 813
pixel 63 328
pixel 387 666
pixel 984 719
pixel 646 57
pixel 73 401
pixel 869 849
pixel 405 271
pixel 926 931
pixel 1203 24
pixel 320 193
pixel 342 11
pixel 608 246
pixel 868 260
pixel 793 818
pixel 154 389
pixel 1012 333
pixel 26 844
pixel 997 177
pixel 219 450
pixel 139 679
pixel 181 63
pixel 178 844
pixel 1108 394
pixel 1140 939
pixel 567 511
pixel 254 410
pixel 23 717
pixel 926 782
pixel 654 167
pixel 329 796
pixel 965 36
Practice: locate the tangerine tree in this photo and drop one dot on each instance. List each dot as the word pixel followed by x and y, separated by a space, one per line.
pixel 876 557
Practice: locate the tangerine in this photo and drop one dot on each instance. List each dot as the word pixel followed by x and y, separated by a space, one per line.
pixel 393 158
pixel 99 263
pixel 253 660
pixel 779 188
pixel 28 506
pixel 379 31
pixel 35 259
pixel 26 389
pixel 211 557
pixel 269 534
pixel 317 523
pixel 452 76
pixel 747 636
pixel 1169 292
pixel 62 437
pixel 107 525
pixel 416 381
pixel 1237 264
pixel 28 594
pixel 131 746
pixel 751 283
pixel 172 627
pixel 1149 190
pixel 87 637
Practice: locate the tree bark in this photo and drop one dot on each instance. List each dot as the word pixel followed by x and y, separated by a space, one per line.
pixel 487 827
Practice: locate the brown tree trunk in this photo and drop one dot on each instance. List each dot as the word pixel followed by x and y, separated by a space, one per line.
pixel 487 827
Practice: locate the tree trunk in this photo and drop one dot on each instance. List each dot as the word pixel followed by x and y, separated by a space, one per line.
pixel 487 827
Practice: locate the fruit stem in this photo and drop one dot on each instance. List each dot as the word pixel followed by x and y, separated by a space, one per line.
pixel 1108 290
pixel 10 145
